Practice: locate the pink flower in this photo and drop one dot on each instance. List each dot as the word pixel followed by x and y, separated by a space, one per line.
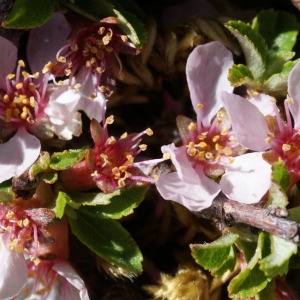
pixel 89 56
pixel 210 149
pixel 21 233
pixel 261 127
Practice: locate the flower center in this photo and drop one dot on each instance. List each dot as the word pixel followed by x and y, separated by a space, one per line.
pixel 23 100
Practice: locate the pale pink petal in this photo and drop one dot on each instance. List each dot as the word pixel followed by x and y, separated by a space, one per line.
pixel 248 123
pixel 265 104
pixel 195 197
pixel 66 270
pixel 45 41
pixel 207 70
pixel 8 60
pixel 294 92
pixel 247 179
pixel 13 272
pixel 182 164
pixel 18 154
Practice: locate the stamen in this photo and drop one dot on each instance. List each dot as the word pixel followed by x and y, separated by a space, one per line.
pixel 25 74
pixel 110 119
pixel 286 147
pixel 227 151
pixel 74 47
pixel 62 59
pixel 200 105
pixel 124 38
pixel 21 63
pixel 102 88
pixel 149 131
pixel 166 155
pixel 218 147
pixel 19 85
pixel 143 147
pixel 111 140
pixel 290 100
pixel 101 30
pixel 11 76
pixel 209 155
pixel 77 86
pixel 215 138
pixel 124 135
pixel 202 144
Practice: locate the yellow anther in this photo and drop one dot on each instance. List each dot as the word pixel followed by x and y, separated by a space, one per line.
pixel 99 70
pixel 7 115
pixel 201 155
pixel 219 122
pixel 124 38
pixel 36 75
pixel 77 87
pixel 290 100
pixel 268 140
pixel 21 63
pixel 25 74
pixel 31 86
pixel 19 249
pixel 93 60
pixel 104 156
pixel 88 64
pixel 67 72
pixel 230 159
pixel 192 126
pixel 123 168
pixel 227 151
pixel 92 96
pixel 61 83
pixel 220 114
pixel 8 228
pixel 121 182
pixel 124 135
pixel 47 67
pixel 202 144
pixel 200 105
pixel 102 88
pixel 100 55
pixel 23 115
pixel 32 101
pixel 25 101
pixel 273 100
pixel 286 147
pixel 215 138
pixel 218 147
pixel 36 261
pixel 218 158
pixel 111 140
pixel 209 155
pixel 191 145
pixel 10 215
pixel 19 85
pixel 6 98
pixel 149 131
pixel 155 177
pixel 16 112
pixel 106 39
pixel 166 155
pixel 62 59
pixel 115 170
pixel 110 119
pixel 70 64
pixel 143 147
pixel 101 30
pixel 109 49
pixel 10 76
pixel 94 50
pixel 20 223
pixel 25 222
pixel 224 132
pixel 74 47
pixel 193 152
pixel 232 138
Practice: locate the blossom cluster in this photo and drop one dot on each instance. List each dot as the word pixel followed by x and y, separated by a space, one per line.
pixel 228 147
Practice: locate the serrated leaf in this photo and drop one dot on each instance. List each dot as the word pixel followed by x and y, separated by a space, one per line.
pixel 29 13
pixel 239 75
pixel 66 159
pixel 268 293
pixel 228 264
pixel 276 83
pixel 288 66
pixel 41 165
pixel 62 201
pixel 120 205
pixel 277 263
pixel 50 178
pixel 130 24
pixel 252 280
pixel 216 254
pixel 278 29
pixel 108 239
pixel 92 199
pixel 248 248
pixel 253 45
pixel 277 197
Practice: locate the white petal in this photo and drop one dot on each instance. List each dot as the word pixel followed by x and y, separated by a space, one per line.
pixel 247 179
pixel 294 92
pixel 18 154
pixel 264 104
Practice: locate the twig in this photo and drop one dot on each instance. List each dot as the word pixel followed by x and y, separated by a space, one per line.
pixel 231 212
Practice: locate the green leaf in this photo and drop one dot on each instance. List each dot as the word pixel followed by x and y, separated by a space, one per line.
pixel 281 175
pixel 277 263
pixel 92 199
pixel 120 205
pixel 279 30
pixel 41 165
pixel 252 280
pixel 29 13
pixel 276 83
pixel 217 256
pixel 253 45
pixel 62 201
pixel 268 293
pixel 50 178
pixel 294 214
pixel 239 75
pixel 6 193
pixel 289 65
pixel 108 239
pixel 248 248
pixel 130 24
pixel 294 262
pixel 66 159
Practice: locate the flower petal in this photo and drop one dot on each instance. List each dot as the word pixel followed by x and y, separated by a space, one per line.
pixel 66 270
pixel 8 59
pixel 195 197
pixel 45 41
pixel 14 272
pixel 183 166
pixel 264 104
pixel 18 154
pixel 248 123
pixel 207 69
pixel 247 179
pixel 294 92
